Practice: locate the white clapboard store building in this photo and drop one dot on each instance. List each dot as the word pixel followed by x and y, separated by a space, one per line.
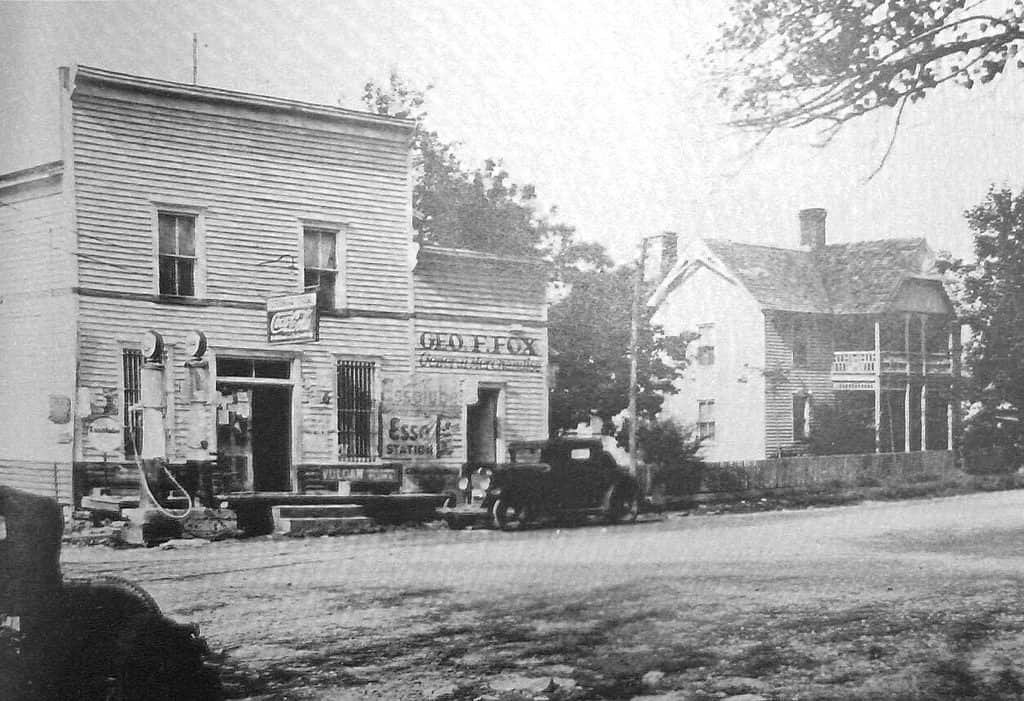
pixel 263 249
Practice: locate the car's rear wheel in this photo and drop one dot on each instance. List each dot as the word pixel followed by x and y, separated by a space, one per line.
pixel 509 516
pixel 623 504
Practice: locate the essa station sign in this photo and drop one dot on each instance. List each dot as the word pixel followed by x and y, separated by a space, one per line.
pixel 293 318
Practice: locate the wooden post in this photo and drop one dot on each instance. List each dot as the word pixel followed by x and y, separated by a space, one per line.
pixel 924 383
pixel 878 387
pixel 634 332
pixel 954 363
pixel 906 418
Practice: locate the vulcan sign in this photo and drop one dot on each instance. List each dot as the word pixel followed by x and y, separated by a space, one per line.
pixel 292 318
pixel 488 352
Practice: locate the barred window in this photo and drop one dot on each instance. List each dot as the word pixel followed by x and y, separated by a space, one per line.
pixel 706 419
pixel 131 365
pixel 356 417
pixel 177 233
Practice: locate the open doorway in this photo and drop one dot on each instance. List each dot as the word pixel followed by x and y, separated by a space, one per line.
pixel 482 426
pixel 254 436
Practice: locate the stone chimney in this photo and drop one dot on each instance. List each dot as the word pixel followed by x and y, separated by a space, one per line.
pixel 661 255
pixel 812 227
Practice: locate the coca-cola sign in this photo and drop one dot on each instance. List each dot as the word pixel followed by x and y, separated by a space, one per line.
pixel 292 318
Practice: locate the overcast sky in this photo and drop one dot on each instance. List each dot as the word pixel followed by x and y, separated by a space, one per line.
pixel 605 109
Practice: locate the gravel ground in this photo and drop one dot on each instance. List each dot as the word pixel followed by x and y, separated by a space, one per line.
pixel 895 600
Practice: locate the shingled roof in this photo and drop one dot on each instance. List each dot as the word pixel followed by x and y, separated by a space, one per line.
pixel 848 278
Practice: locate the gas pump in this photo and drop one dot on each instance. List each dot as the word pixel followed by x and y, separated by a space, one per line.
pixel 200 460
pixel 153 520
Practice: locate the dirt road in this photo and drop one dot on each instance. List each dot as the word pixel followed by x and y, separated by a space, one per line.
pixel 913 600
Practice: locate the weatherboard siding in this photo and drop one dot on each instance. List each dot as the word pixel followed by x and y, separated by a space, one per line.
pixel 786 380
pixel 446 285
pixel 254 176
pixel 255 180
pixel 735 381
pixel 37 372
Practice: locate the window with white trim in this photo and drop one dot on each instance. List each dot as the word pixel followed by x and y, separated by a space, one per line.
pixel 177 254
pixel 320 265
pixel 706 419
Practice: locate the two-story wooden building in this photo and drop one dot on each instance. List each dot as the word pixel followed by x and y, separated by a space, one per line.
pixel 306 342
pixel 864 328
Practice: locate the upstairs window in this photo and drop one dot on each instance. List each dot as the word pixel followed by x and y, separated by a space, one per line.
pixel 706 347
pixel 706 419
pixel 356 412
pixel 177 254
pixel 320 265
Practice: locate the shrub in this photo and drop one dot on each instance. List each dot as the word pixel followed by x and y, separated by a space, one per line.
pixel 672 454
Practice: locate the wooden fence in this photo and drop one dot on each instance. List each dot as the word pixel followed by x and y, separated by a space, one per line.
pixel 819 471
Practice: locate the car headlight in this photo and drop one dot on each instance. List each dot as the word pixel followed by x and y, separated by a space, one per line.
pixel 463 484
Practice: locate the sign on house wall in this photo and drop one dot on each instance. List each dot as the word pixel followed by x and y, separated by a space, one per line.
pixel 292 318
pixel 445 350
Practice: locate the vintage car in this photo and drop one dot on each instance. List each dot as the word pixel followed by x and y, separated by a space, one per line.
pixel 562 477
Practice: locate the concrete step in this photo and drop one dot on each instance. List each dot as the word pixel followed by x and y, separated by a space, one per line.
pixel 316 511
pixel 344 525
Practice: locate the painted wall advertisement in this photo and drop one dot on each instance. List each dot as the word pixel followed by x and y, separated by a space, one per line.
pixel 422 416
pixel 512 352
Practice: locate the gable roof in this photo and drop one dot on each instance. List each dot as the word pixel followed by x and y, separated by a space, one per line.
pixel 848 278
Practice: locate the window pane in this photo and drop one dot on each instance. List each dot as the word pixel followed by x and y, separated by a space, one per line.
pixel 327 250
pixel 167 233
pixel 310 279
pixel 167 276
pixel 185 288
pixel 309 249
pixel 186 236
pixel 234 367
pixel 325 295
pixel 280 369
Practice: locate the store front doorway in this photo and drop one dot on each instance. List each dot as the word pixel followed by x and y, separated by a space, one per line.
pixel 254 436
pixel 482 426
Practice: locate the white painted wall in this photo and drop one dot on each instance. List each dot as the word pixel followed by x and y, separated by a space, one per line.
pixel 735 381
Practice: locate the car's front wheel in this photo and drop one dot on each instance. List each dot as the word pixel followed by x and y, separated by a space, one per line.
pixel 623 504
pixel 508 515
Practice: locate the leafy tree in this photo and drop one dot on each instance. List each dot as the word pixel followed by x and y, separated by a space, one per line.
pixel 992 303
pixel 797 62
pixel 475 208
pixel 589 338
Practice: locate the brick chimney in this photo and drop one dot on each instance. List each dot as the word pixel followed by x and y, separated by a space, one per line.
pixel 812 227
pixel 661 255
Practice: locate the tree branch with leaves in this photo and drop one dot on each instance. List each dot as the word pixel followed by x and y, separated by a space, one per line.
pixel 795 63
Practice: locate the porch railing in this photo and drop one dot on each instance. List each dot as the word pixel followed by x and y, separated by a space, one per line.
pixel 863 363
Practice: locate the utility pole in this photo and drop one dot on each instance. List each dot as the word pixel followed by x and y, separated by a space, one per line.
pixel 195 58
pixel 634 333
